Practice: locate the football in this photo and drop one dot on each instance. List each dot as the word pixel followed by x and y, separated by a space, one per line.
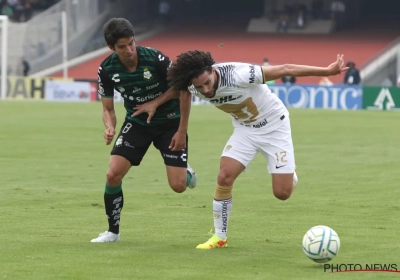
pixel 321 244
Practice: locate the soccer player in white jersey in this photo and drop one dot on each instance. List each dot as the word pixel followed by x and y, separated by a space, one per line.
pixel 260 119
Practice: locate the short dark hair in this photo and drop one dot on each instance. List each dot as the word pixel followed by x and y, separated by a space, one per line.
pixel 189 65
pixel 117 28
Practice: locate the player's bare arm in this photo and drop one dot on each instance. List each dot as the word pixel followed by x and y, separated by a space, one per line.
pixel 178 142
pixel 278 71
pixel 150 107
pixel 109 119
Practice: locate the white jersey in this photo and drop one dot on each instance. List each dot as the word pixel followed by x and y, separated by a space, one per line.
pixel 243 94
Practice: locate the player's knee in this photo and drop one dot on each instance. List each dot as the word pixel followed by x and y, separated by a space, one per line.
pixel 113 178
pixel 282 192
pixel 178 186
pixel 225 179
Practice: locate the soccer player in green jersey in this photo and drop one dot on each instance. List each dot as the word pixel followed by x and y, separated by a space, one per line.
pixel 139 74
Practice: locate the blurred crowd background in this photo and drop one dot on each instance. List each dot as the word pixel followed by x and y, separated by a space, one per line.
pixel 256 31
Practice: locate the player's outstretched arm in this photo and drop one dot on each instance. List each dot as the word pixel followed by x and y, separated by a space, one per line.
pixel 109 119
pixel 178 141
pixel 150 107
pixel 278 71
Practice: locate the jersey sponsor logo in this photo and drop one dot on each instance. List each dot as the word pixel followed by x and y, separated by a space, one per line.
pixel 152 86
pixel 114 78
pixel 146 98
pixel 147 75
pixel 252 76
pixel 136 89
pixel 127 144
pixel 260 124
pixel 182 157
pixel 224 99
pixel 170 156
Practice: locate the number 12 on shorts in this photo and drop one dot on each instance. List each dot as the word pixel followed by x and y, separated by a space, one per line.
pixel 280 157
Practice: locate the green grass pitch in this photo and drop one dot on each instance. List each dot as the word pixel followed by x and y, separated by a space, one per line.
pixel 53 162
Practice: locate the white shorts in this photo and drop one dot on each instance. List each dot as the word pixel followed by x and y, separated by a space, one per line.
pixel 275 146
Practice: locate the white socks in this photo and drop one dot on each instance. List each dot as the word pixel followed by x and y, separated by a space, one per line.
pixel 221 211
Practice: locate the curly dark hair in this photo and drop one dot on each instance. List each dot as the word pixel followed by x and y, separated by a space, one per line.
pixel 187 66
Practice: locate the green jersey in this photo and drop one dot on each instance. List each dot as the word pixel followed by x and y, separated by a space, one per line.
pixel 146 83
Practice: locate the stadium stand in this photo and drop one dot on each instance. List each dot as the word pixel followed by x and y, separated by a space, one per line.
pixel 39 41
pixel 242 46
pixel 227 36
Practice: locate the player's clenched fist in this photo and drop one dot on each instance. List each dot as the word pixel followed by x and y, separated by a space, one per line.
pixel 109 134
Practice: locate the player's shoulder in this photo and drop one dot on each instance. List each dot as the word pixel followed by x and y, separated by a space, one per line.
pixel 233 68
pixel 109 62
pixel 232 73
pixel 224 65
pixel 233 65
pixel 147 53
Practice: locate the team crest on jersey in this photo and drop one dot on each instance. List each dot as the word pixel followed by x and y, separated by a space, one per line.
pixel 147 75
pixel 118 143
